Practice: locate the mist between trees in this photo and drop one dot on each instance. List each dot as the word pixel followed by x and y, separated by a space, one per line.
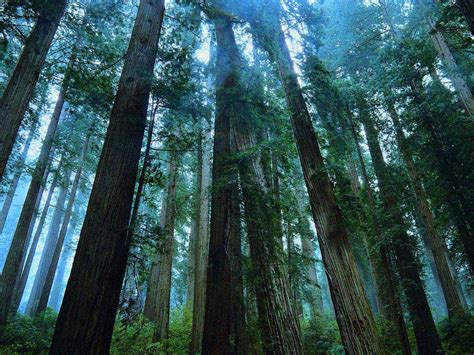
pixel 222 177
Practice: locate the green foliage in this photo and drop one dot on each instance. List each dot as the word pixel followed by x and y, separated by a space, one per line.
pixel 25 335
pixel 321 336
pixel 136 337
pixel 457 334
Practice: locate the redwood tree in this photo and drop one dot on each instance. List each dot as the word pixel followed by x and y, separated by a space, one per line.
pixel 87 315
pixel 22 82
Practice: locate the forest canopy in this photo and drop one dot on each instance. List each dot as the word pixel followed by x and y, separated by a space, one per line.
pixel 236 177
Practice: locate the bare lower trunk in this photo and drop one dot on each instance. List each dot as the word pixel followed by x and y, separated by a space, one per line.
pixel 7 202
pixel 48 283
pixel 48 250
pixel 353 314
pixel 22 82
pixel 435 242
pixel 20 288
pixel 201 245
pixel 18 248
pixel 424 327
pixel 86 319
pixel 161 310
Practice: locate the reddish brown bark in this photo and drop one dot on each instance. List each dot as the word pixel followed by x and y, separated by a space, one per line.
pixel 427 338
pixel 353 314
pixel 22 82
pixel 87 315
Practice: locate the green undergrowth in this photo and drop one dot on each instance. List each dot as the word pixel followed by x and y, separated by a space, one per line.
pixel 25 335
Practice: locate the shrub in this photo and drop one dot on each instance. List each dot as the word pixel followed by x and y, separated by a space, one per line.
pixel 25 335
pixel 321 336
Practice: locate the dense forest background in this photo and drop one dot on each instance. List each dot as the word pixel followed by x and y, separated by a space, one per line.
pixel 236 177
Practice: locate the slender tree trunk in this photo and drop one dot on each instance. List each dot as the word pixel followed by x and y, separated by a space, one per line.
pixel 48 250
pixel 7 202
pixel 353 314
pixel 424 327
pixel 201 242
pixel 390 304
pixel 191 261
pixel 20 288
pixel 22 82
pixel 18 248
pixel 86 319
pixel 161 310
pixel 467 9
pixel 55 298
pixel 129 284
pixel 435 242
pixel 48 283
pixel 441 46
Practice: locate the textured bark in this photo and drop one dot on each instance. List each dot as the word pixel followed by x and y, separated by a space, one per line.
pixel 86 319
pixel 22 82
pixel 48 283
pixel 7 202
pixel 353 314
pixel 455 199
pixel 201 243
pixel 164 258
pixel 390 304
pixel 278 320
pixel 424 327
pixel 48 250
pixel 223 305
pixel 19 245
pixel 441 46
pixel 434 241
pixel 467 9
pixel 20 288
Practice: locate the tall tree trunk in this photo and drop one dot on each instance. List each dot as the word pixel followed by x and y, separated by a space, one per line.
pixel 7 202
pixel 441 46
pixel 56 291
pixel 454 197
pixel 435 242
pixel 390 304
pixel 48 283
pixel 353 314
pixel 86 319
pixel 20 288
pixel 424 327
pixel 48 250
pixel 223 316
pixel 129 282
pixel 201 243
pixel 19 245
pixel 272 287
pixel 467 9
pixel 191 259
pixel 22 82
pixel 164 258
